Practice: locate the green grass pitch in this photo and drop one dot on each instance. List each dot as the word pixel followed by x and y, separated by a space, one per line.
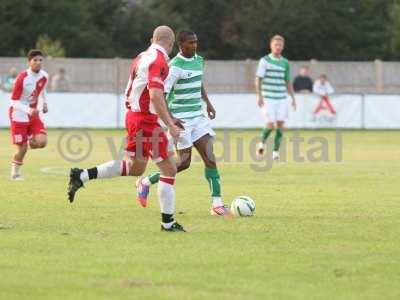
pixel 322 230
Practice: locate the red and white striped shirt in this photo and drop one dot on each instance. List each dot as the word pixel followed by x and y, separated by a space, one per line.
pixel 28 87
pixel 148 70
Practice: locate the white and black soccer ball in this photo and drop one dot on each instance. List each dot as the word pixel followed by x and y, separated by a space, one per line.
pixel 243 206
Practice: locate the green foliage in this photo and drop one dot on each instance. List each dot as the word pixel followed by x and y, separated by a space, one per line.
pixel 49 47
pixel 235 29
pixel 395 30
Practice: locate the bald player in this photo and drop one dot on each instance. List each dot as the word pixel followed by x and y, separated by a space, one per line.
pixel 145 103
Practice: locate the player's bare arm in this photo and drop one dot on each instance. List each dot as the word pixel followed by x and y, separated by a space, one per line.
pixel 158 100
pixel 176 121
pixel 291 93
pixel 45 108
pixel 210 108
pixel 169 83
pixel 260 100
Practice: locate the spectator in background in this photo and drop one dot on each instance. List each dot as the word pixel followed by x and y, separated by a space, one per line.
pixel 7 82
pixel 303 82
pixel 322 86
pixel 60 82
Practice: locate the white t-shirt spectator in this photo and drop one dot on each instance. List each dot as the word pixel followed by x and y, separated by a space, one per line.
pixel 323 88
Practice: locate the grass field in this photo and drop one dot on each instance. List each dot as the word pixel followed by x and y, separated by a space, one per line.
pixel 322 230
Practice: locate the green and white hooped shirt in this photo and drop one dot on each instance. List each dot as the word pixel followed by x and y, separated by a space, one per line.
pixel 183 87
pixel 275 74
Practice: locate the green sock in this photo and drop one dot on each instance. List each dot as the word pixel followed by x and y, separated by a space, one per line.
pixel 213 179
pixel 265 134
pixel 154 177
pixel 278 139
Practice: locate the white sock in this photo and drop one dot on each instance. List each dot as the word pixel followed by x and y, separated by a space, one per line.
pixel 166 195
pixel 16 168
pixel 84 175
pixel 109 169
pixel 217 201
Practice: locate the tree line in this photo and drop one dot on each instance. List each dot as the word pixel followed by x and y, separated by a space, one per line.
pixel 342 30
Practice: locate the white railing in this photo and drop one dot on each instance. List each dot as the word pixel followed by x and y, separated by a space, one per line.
pixel 110 75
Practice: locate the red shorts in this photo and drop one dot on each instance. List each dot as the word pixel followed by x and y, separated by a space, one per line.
pixel 21 131
pixel 145 137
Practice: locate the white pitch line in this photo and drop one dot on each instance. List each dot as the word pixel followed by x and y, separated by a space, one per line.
pixel 54 170
pixel 58 170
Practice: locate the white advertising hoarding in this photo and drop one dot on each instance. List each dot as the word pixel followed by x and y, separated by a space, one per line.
pixel 104 110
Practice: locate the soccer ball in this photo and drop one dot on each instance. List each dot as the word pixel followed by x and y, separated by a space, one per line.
pixel 243 206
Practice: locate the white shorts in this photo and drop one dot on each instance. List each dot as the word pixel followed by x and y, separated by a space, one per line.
pixel 275 110
pixel 194 130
